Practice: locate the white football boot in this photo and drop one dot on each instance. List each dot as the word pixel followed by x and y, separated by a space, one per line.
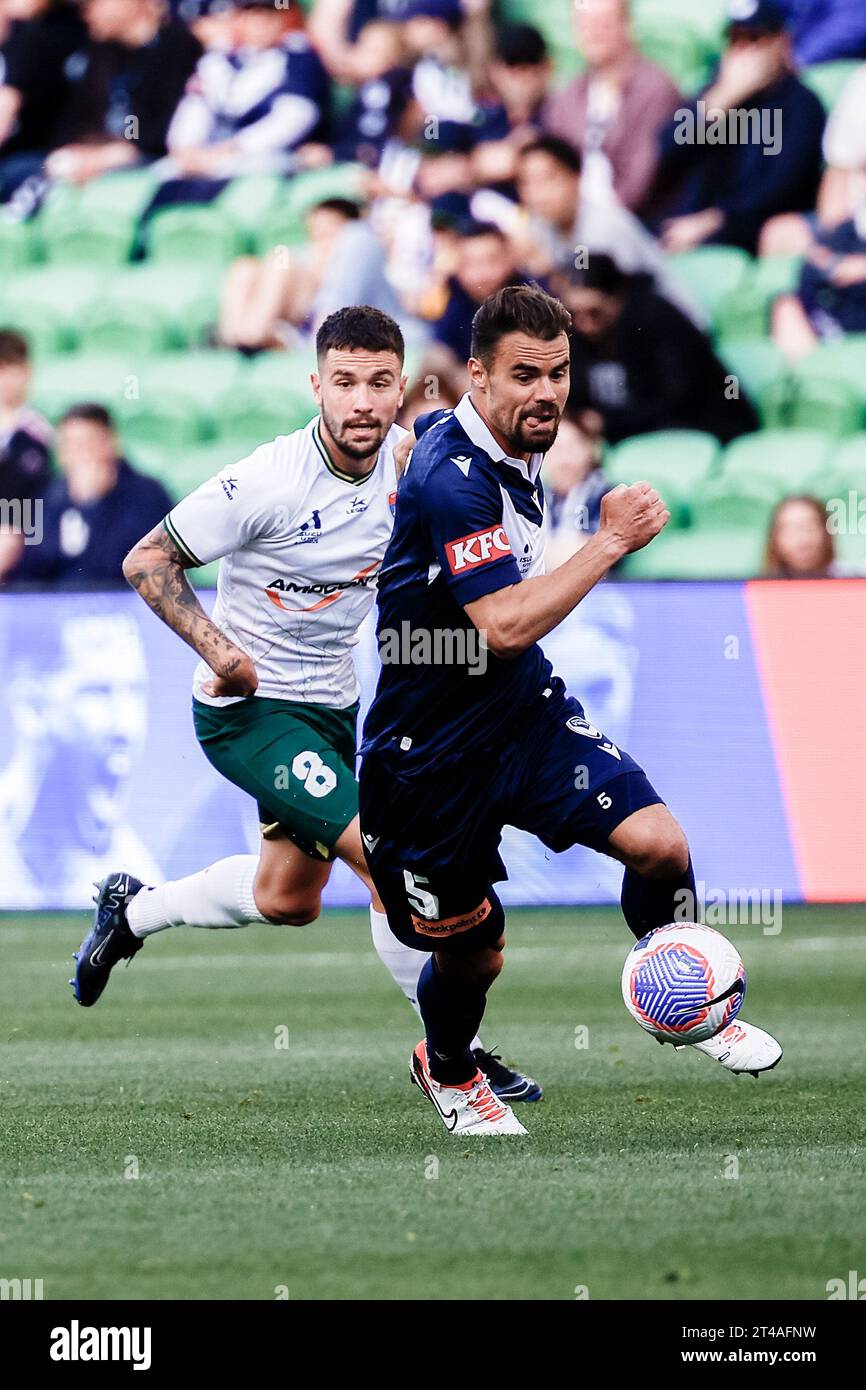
pixel 741 1047
pixel 471 1108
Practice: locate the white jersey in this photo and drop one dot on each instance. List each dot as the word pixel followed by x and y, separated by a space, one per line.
pixel 301 545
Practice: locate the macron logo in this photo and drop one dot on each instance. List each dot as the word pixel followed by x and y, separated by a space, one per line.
pixel 480 548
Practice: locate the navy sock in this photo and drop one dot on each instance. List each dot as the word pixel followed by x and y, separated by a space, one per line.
pixel 648 903
pixel 452 1011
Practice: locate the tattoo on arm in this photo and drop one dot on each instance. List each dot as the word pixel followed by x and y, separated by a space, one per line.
pixel 155 568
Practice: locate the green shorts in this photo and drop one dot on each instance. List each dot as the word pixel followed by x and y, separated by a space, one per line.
pixel 296 760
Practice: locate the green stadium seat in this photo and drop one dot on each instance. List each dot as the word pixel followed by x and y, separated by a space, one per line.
pixel 703 554
pixel 707 18
pixel 775 275
pixel 91 240
pixel 203 381
pixel 46 302
pixel 677 48
pixel 74 377
pixel 167 418
pixel 843 361
pixel 788 456
pixel 828 80
pixel 756 362
pixel 180 468
pixel 744 312
pixel 711 272
pixel 674 461
pixel 741 504
pixel 850 459
pixel 336 181
pixel 250 419
pixel 185 296
pixel 139 328
pixel 114 200
pixel 199 235
pixel 812 403
pixel 18 246
pixel 250 200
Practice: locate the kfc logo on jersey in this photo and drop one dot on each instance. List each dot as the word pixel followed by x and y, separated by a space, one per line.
pixel 481 548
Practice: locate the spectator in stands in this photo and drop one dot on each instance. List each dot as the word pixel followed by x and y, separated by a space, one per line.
pixel 831 297
pixel 638 364
pixel 335 27
pixel 824 30
pixel 25 456
pixel 125 88
pixel 384 82
pixel 614 111
pixel 843 188
pixel 558 223
pixel 485 264
pixel 245 110
pixel 574 485
pixel 519 79
pixel 748 148
pixel 799 543
pixel 43 35
pixel 270 301
pixel 95 513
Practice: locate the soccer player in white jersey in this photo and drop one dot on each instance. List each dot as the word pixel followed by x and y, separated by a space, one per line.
pixel 301 527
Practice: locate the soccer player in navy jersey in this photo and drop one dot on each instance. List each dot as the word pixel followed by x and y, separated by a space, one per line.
pixel 470 729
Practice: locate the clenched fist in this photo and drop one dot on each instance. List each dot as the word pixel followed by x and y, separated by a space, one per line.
pixel 633 516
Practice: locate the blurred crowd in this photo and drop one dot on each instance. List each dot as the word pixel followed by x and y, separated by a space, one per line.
pixel 481 170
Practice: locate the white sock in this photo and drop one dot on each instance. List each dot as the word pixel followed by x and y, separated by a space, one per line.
pixel 403 963
pixel 221 896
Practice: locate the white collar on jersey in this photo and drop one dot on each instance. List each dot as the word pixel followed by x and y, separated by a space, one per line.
pixel 470 421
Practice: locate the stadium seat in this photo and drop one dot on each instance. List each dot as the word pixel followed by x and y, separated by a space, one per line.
pixel 17 246
pixel 788 456
pixel 850 458
pixel 756 362
pixel 251 200
pixel 203 381
pixel 744 312
pixel 185 296
pixel 843 361
pixel 111 201
pixel 74 377
pixel 711 272
pixel 812 402
pixel 200 235
pixel 741 504
pixel 674 461
pixel 775 275
pixel 678 48
pixel 46 302
pixel 707 18
pixel 828 80
pixel 702 554
pixel 250 419
pixel 180 468
pixel 91 240
pixel 140 328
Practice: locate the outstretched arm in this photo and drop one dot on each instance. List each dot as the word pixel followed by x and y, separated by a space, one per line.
pixel 515 617
pixel 155 567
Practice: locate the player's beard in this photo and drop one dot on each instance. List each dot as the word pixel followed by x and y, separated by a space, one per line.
pixel 526 442
pixel 349 443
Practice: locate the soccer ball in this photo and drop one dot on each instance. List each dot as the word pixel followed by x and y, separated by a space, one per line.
pixel 683 983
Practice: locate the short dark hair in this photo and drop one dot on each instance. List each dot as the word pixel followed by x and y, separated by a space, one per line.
pixel 359 327
pixel 601 272
pixel 555 147
pixel 517 309
pixel 345 207
pixel 91 413
pixel 13 348
pixel 520 46
pixel 471 229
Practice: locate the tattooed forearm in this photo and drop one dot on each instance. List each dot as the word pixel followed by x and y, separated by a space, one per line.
pixel 155 568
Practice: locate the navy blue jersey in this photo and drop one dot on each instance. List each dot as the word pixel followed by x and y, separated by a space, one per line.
pixel 468 522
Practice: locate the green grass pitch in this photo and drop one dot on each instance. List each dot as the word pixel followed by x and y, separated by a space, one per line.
pixel 165 1144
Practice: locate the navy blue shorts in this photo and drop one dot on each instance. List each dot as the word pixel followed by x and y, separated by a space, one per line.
pixel 432 833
